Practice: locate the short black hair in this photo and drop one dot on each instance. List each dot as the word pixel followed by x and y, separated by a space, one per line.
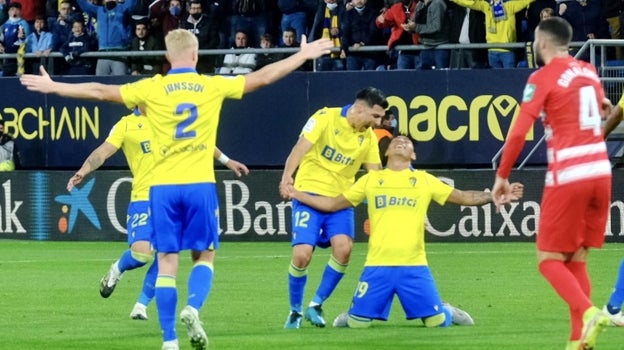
pixel 372 96
pixel 17 5
pixel 559 30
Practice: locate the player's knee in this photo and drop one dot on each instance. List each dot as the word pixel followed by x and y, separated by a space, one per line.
pixel 359 322
pixel 439 320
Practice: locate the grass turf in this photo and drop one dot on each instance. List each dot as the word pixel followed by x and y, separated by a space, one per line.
pixel 49 299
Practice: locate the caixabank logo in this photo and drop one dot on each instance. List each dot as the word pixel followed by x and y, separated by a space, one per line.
pixel 93 210
pixel 75 203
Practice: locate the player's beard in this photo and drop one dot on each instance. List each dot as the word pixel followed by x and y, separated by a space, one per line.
pixel 538 57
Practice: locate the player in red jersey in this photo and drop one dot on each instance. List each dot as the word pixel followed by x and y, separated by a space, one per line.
pixel 567 95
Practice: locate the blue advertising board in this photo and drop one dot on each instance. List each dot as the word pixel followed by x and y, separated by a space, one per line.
pixel 458 117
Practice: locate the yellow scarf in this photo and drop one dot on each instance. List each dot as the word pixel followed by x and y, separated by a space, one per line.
pixel 331 21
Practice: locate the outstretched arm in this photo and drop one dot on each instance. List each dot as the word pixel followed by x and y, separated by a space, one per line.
pixel 516 191
pixel 86 91
pixel 93 161
pixel 275 71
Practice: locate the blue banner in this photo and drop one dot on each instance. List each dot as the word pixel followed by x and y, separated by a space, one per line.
pixel 458 117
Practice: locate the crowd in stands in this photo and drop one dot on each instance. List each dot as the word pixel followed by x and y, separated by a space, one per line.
pixel 73 27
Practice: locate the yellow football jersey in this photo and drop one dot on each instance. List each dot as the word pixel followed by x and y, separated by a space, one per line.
pixel 132 134
pixel 397 209
pixel 184 109
pixel 329 168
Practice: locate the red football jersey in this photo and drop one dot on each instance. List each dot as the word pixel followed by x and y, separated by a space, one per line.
pixel 567 95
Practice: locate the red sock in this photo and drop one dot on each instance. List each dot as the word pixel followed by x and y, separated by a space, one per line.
pixel 579 270
pixel 565 283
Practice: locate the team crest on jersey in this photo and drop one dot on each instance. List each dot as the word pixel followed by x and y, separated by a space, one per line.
pixel 309 126
pixel 360 139
pixel 380 182
pixel 412 181
pixel 529 91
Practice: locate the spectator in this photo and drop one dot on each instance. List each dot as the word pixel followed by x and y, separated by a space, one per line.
pixel 393 18
pixel 327 24
pixel 145 41
pixel 359 30
pixel 39 42
pixel 295 15
pixel 79 43
pixel 467 28
pixel 613 10
pixel 263 59
pixel 61 25
pixel 239 63
pixel 500 27
pixel 207 34
pixel 9 157
pixel 289 41
pixel 252 17
pixel 3 11
pixel 384 133
pixel 168 14
pixel 587 20
pixel 12 35
pixel 431 22
pixel 113 33
pixel 533 15
pixel 30 10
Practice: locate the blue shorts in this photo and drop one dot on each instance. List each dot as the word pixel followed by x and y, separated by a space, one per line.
pixel 316 228
pixel 185 217
pixel 138 222
pixel 413 285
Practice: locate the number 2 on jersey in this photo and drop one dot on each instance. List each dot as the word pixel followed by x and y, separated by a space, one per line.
pixel 589 112
pixel 189 112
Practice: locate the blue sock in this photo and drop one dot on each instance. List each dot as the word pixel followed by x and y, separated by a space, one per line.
pixel 334 271
pixel 166 302
pixel 297 279
pixel 199 284
pixel 149 283
pixel 617 297
pixel 129 261
pixel 448 321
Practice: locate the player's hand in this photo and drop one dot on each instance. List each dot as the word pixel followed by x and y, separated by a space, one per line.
pixel 73 181
pixel 607 107
pixel 285 188
pixel 517 191
pixel 237 167
pixel 41 83
pixel 501 192
pixel 315 49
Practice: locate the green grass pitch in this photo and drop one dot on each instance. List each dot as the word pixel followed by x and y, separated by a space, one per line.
pixel 49 299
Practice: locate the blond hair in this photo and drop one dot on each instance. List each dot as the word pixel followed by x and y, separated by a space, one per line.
pixel 180 42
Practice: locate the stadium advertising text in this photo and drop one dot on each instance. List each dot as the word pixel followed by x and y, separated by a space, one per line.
pixel 77 123
pixel 455 119
pixel 35 205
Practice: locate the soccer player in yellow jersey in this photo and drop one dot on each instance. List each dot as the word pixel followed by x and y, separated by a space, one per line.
pixel 398 198
pixel 334 144
pixel 132 134
pixel 614 305
pixel 185 107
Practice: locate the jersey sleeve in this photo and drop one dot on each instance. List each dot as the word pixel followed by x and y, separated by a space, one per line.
pixel 134 94
pixel 232 87
pixel 439 190
pixel 356 193
pixel 535 93
pixel 117 133
pixel 316 124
